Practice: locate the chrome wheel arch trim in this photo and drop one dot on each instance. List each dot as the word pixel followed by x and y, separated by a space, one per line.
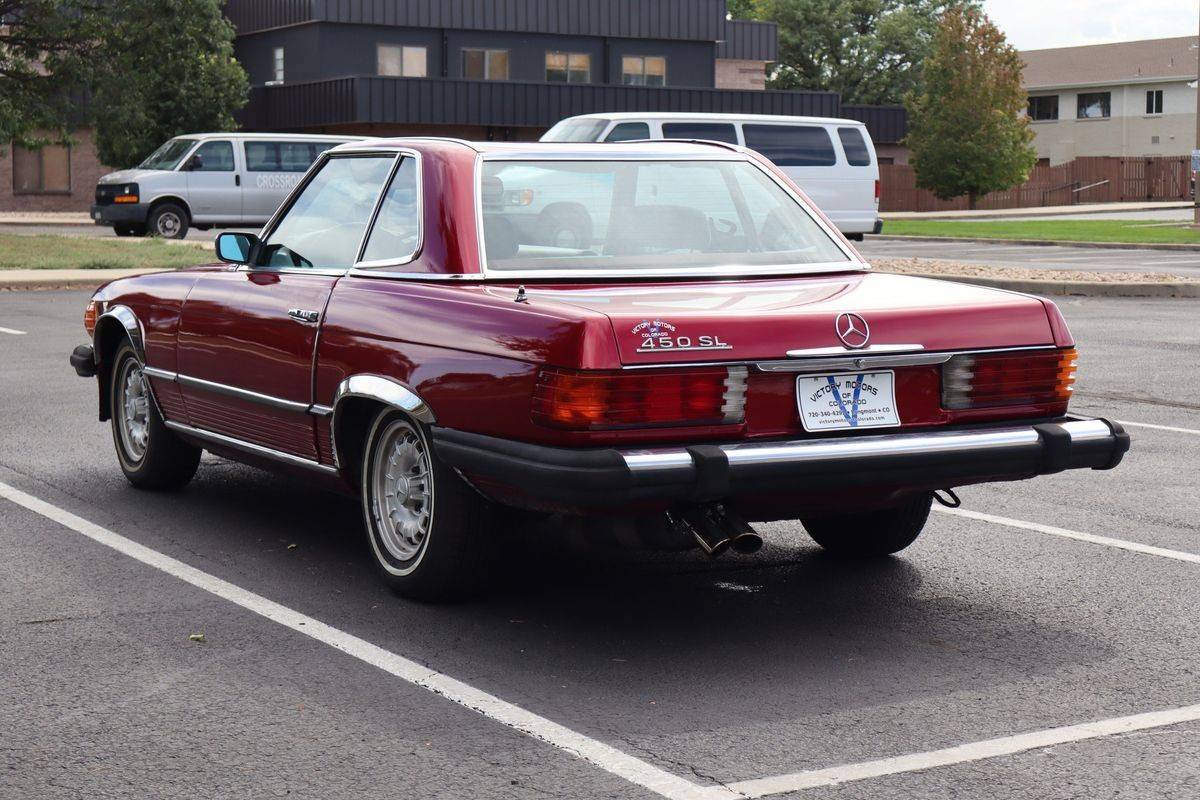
pixel 124 316
pixel 388 391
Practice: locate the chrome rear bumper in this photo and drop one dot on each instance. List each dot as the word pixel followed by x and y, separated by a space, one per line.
pixel 803 469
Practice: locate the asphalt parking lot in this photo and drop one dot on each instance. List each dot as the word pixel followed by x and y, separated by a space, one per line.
pixel 1181 262
pixel 1009 653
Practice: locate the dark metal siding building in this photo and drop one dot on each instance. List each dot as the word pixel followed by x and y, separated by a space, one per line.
pixel 318 65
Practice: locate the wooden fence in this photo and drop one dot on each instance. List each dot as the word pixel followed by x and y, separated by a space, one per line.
pixel 1084 180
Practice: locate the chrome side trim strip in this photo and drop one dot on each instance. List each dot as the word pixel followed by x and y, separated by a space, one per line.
pixel 234 391
pixel 242 394
pixel 161 374
pixel 818 352
pixel 250 447
pixel 800 451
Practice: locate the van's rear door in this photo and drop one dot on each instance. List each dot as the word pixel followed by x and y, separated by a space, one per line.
pixel 812 156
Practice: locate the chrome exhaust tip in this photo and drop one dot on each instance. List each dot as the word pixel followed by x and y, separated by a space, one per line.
pixel 746 543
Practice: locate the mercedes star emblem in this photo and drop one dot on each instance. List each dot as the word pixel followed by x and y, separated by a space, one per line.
pixel 852 330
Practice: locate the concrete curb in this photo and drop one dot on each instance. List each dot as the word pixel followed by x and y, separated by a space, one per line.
pixel 24 281
pixel 1037 211
pixel 1073 288
pixel 1179 248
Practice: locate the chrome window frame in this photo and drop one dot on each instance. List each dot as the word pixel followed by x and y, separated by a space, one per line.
pixel 396 154
pixel 854 262
pixel 382 263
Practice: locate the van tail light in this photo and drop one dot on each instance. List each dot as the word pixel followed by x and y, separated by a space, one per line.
pixel 89 317
pixel 878 189
pixel 1013 378
pixel 597 400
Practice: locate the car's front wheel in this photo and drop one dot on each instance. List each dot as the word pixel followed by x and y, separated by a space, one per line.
pixel 869 534
pixel 150 454
pixel 168 221
pixel 425 525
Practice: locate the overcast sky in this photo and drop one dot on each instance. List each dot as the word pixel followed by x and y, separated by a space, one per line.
pixel 1034 24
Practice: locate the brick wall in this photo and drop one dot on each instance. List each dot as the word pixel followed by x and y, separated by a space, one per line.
pixel 733 73
pixel 85 170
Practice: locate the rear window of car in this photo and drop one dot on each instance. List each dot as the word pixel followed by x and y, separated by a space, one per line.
pixel 713 131
pixel 792 145
pixel 645 215
pixel 857 153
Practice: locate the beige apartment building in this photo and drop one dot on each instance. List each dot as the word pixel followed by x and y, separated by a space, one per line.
pixel 1122 99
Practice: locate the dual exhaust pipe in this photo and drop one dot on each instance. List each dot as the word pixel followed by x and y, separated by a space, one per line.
pixel 717 529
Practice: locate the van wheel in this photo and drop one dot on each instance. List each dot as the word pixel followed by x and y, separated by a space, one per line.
pixel 426 527
pixel 168 221
pixel 150 454
pixel 870 534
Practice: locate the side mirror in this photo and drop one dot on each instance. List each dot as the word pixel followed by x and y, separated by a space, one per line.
pixel 235 248
pixel 194 163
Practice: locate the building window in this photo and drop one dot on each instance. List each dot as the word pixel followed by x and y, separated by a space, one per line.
pixel 277 66
pixel 568 67
pixel 1154 103
pixel 1094 105
pixel 1043 108
pixel 401 61
pixel 42 170
pixel 485 65
pixel 644 71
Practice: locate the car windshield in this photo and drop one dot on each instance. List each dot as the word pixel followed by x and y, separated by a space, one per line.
pixel 168 155
pixel 576 130
pixel 660 215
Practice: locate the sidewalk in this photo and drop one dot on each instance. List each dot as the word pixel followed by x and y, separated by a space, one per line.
pixel 1041 211
pixel 45 218
pixel 27 279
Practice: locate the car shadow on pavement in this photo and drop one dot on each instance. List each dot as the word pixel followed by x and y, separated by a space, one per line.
pixel 638 627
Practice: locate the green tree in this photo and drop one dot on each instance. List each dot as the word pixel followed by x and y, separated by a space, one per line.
pixel 869 51
pixel 169 70
pixel 47 49
pixel 966 130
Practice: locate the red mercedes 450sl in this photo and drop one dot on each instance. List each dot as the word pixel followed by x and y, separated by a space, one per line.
pixel 666 333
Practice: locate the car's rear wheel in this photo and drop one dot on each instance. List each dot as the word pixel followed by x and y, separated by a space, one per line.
pixel 425 525
pixel 168 221
pixel 150 454
pixel 869 534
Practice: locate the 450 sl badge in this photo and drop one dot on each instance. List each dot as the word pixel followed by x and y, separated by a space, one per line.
pixel 658 335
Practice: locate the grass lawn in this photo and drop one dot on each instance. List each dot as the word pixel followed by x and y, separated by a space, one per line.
pixel 77 252
pixel 1067 230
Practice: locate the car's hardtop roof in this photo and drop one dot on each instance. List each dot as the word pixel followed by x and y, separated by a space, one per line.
pixel 637 116
pixel 282 137
pixel 660 148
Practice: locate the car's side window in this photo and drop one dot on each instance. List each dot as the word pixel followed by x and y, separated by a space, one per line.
pixel 214 157
pixel 396 234
pixel 323 227
pixel 628 132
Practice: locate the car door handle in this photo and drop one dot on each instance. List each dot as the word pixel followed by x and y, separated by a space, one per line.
pixel 301 315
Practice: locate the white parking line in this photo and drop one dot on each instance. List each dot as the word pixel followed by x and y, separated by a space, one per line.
pixel 607 758
pixel 962 754
pixel 601 755
pixel 1159 427
pixel 1050 530
pixel 13 331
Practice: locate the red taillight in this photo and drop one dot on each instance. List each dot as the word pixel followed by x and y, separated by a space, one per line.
pixel 583 400
pixel 89 317
pixel 878 189
pixel 1015 378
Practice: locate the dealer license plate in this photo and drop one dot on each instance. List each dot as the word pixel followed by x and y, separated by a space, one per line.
pixel 850 400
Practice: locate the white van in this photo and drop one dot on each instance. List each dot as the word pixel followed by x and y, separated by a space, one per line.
pixel 207 180
pixel 833 160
